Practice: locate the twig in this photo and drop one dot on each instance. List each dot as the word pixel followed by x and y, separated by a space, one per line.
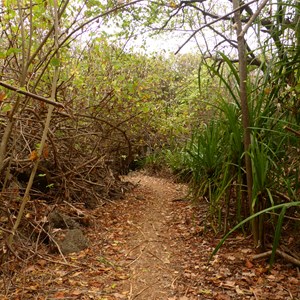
pixel 297 133
pixel 51 238
pixel 13 252
pixel 184 199
pixel 143 290
pixel 253 17
pixel 58 247
pixel 155 256
pixel 287 257
pixel 64 263
pixel 173 282
pixel 213 22
pixel 5 230
pixel 146 241
pixel 130 292
pixel 187 290
pixel 129 222
pixel 287 250
pixel 287 217
pixel 75 168
pixel 254 293
pixel 134 248
pixel 78 211
pixel 81 266
pixel 141 253
pixel 279 194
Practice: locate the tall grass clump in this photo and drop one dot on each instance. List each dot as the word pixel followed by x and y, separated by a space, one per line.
pixel 217 154
pixel 205 161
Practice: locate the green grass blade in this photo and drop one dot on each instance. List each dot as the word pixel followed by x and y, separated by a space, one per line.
pixel 277 234
pixel 287 205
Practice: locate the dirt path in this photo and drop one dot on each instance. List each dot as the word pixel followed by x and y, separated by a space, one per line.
pixel 163 245
pixel 153 271
pixel 152 245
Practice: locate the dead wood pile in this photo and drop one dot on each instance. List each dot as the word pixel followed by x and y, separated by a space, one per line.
pixel 80 166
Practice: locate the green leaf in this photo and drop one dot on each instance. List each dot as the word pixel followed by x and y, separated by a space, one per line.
pixel 12 51
pixel 146 109
pixel 6 107
pixel 2 55
pixel 55 62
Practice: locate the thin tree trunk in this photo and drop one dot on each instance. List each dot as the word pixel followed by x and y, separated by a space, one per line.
pixel 245 113
pixel 26 196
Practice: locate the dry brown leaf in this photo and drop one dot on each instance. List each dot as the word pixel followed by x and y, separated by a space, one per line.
pixel 30 269
pixel 222 297
pixel 260 280
pixel 231 257
pixel 33 155
pixel 60 295
pixel 33 287
pixel 3 219
pixel 42 262
pixel 246 251
pixel 119 296
pixel 72 282
pixel 293 280
pixel 76 274
pixel 239 291
pixel 46 151
pixel 2 96
pixel 262 270
pixel 248 264
pixel 77 293
pixel 121 277
pixel 230 283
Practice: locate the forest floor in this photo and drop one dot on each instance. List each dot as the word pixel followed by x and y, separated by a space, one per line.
pixel 151 245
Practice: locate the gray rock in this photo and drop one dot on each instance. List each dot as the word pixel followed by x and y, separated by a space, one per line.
pixel 74 241
pixel 60 220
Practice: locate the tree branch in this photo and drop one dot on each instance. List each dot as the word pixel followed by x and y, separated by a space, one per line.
pixel 213 22
pixel 253 17
pixel 34 96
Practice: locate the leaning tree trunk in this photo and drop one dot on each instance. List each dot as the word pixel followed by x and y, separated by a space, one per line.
pixel 26 196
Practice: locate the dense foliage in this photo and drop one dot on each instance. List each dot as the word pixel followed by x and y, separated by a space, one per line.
pixel 79 107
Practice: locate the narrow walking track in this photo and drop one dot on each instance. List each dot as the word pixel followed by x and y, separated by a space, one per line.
pixel 152 245
pixel 163 243
pixel 153 270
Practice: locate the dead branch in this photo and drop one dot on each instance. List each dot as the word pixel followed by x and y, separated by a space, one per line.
pixel 284 255
pixel 297 133
pixel 29 94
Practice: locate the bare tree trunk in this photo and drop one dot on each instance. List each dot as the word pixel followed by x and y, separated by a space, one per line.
pixel 245 113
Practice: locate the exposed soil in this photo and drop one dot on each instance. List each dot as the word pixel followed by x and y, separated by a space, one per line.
pixel 153 245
